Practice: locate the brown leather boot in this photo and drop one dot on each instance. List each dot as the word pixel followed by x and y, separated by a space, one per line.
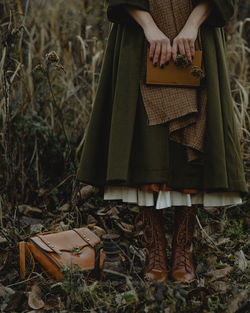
pixel 155 268
pixel 182 246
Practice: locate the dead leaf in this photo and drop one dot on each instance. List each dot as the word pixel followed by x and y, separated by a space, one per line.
pixel 102 212
pixel 113 213
pixel 2 240
pixel 201 282
pixel 42 192
pixel 213 228
pixel 201 268
pixel 221 241
pixel 36 228
pixel 91 220
pixel 211 210
pixel 126 228
pixel 3 260
pixel 246 220
pixel 86 192
pixel 217 238
pixel 170 309
pixel 219 273
pixel 138 252
pixel 64 208
pixel 27 209
pixel 241 260
pixel 239 302
pixel 5 292
pixel 62 226
pixel 34 299
pixel 220 286
pixel 51 304
pixel 211 258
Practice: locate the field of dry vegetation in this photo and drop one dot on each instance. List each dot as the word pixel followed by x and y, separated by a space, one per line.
pixel 50 59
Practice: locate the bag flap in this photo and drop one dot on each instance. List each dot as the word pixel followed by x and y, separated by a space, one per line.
pixel 69 240
pixel 88 235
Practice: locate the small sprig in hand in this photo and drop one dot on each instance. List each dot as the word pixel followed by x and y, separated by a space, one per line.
pixel 196 71
pixel 182 61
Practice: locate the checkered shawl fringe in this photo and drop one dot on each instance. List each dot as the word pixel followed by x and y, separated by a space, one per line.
pixel 184 109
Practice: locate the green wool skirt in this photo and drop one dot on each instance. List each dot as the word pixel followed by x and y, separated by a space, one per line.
pixel 157 159
pixel 153 158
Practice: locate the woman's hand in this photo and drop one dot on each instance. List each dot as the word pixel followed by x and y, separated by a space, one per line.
pixel 160 45
pixel 184 43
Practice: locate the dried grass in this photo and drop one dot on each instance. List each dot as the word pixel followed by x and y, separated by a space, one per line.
pixel 29 31
pixel 238 56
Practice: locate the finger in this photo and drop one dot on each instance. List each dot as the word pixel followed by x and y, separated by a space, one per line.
pixel 157 53
pixel 181 47
pixel 163 57
pixel 192 48
pixel 187 50
pixel 174 51
pixel 152 50
pixel 169 52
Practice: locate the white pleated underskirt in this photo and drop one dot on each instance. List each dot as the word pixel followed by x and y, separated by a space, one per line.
pixel 166 199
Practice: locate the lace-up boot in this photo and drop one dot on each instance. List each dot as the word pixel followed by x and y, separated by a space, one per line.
pixel 182 246
pixel 155 268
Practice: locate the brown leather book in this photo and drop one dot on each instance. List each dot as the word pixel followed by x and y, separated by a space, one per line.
pixel 173 75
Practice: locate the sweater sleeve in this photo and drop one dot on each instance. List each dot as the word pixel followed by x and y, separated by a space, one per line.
pixel 222 11
pixel 117 14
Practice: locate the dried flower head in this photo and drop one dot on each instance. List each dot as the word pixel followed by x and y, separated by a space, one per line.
pixel 196 71
pixel 39 67
pixel 52 57
pixel 182 61
pixel 59 67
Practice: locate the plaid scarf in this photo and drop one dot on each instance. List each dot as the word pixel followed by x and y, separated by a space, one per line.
pixel 184 109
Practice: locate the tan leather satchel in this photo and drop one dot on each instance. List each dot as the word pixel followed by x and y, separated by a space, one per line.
pixel 54 250
pixel 173 75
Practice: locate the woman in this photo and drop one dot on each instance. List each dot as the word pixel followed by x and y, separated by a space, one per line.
pixel 170 159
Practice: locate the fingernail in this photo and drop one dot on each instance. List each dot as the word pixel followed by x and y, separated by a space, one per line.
pixel 167 63
pixel 162 66
pixel 151 59
pixel 155 64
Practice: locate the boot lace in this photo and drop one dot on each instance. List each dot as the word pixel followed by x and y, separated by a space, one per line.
pixel 184 241
pixel 153 237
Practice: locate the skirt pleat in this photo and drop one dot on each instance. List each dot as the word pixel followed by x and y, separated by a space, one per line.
pixel 166 199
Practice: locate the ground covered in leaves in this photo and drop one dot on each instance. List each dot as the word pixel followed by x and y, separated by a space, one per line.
pixel 221 252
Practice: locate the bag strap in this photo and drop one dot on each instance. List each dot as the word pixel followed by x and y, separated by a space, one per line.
pixel 23 248
pixel 22 245
pixel 84 238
